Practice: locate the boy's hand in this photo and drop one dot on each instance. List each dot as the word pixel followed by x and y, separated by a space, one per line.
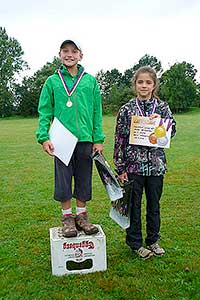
pixel 98 148
pixel 48 147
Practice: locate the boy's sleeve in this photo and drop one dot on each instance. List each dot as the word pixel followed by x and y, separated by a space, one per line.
pixel 98 135
pixel 45 110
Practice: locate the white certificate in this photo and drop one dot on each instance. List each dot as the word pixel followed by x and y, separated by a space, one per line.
pixel 150 132
pixel 63 141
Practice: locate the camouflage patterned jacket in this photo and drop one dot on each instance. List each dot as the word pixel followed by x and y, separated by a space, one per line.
pixel 139 160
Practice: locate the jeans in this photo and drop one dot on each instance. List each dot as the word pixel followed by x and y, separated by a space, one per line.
pixel 153 186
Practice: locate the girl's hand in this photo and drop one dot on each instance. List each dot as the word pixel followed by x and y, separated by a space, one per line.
pixel 153 116
pixel 98 148
pixel 48 147
pixel 123 177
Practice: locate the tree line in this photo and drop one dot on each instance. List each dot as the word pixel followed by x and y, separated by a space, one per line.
pixel 178 85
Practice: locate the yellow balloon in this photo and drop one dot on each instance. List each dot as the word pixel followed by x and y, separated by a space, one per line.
pixel 160 131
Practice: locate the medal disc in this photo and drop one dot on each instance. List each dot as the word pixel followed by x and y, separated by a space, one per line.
pixel 69 103
pixel 152 138
pixel 162 141
pixel 160 131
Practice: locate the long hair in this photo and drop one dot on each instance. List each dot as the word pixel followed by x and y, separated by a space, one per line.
pixel 152 74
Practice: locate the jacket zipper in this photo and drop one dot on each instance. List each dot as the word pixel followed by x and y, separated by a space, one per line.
pixel 148 168
pixel 76 112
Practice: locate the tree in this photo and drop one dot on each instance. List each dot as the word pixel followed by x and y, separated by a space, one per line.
pixel 150 61
pixel 116 88
pixel 119 96
pixel 127 77
pixel 107 80
pixel 178 86
pixel 28 92
pixel 6 102
pixel 196 102
pixel 145 60
pixel 11 63
pixel 101 78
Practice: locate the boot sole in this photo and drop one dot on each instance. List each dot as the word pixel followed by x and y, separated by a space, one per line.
pixel 94 231
pixel 68 235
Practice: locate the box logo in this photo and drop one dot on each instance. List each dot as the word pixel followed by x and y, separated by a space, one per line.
pixel 82 244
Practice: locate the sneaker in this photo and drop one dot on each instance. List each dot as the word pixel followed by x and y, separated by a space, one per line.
pixel 68 226
pixel 156 249
pixel 144 253
pixel 83 223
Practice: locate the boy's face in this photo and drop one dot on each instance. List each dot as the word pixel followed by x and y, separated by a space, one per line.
pixel 70 55
pixel 144 86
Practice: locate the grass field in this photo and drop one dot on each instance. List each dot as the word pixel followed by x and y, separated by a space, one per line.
pixel 28 211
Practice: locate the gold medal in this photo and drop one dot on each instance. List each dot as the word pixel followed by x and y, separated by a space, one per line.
pixel 69 103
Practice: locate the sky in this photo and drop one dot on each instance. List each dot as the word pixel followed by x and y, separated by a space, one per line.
pixel 112 33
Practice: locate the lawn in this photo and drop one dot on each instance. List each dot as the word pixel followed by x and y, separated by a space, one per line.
pixel 28 211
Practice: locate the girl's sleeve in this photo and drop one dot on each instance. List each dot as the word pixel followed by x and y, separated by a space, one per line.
pixel 172 120
pixel 121 136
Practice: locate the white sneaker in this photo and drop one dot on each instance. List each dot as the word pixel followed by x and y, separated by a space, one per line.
pixel 144 253
pixel 156 249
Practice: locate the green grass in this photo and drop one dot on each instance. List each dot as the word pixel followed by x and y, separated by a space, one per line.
pixel 28 211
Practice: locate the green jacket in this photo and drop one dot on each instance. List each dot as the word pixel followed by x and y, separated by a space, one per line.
pixel 83 118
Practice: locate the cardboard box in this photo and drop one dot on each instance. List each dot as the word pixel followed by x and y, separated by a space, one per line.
pixel 77 255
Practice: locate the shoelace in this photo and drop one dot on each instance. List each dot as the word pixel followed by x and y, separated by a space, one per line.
pixel 155 246
pixel 142 250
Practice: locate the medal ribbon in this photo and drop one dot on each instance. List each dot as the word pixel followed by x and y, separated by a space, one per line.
pixel 169 124
pixel 68 91
pixel 140 110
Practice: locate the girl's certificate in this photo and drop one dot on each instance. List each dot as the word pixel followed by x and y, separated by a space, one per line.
pixel 150 132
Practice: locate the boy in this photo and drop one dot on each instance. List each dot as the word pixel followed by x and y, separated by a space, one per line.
pixel 73 97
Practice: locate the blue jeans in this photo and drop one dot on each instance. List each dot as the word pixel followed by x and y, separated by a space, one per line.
pixel 153 186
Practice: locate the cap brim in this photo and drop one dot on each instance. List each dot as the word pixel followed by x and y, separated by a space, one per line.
pixel 70 42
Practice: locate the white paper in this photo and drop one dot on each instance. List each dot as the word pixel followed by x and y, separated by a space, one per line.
pixel 114 192
pixel 150 132
pixel 63 141
pixel 122 221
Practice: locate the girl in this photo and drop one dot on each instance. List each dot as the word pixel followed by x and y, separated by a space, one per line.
pixel 142 164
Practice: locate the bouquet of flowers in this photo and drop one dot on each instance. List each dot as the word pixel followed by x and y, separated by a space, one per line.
pixel 107 176
pixel 120 195
pixel 120 209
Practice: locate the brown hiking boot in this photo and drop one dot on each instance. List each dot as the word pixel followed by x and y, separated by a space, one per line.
pixel 68 226
pixel 83 223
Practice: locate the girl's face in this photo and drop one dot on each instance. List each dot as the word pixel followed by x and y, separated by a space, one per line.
pixel 144 86
pixel 70 55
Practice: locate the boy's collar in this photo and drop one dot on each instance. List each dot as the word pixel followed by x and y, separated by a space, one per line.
pixel 64 69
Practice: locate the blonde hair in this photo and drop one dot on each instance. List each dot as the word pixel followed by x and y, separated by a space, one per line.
pixel 152 74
